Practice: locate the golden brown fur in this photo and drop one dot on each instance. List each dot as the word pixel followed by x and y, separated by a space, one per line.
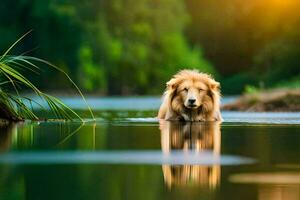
pixel 192 138
pixel 187 86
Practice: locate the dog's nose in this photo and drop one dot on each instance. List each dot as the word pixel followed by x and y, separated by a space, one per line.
pixel 192 101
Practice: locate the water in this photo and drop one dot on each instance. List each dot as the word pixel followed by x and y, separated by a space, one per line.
pixel 128 154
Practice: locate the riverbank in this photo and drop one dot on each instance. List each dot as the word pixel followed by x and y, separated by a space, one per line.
pixel 277 100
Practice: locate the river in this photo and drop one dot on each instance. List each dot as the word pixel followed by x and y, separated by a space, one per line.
pixel 128 154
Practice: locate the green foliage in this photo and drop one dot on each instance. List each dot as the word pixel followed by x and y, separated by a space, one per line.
pixel 279 60
pixel 250 89
pixel 237 83
pixel 292 83
pixel 12 105
pixel 111 47
pixel 242 38
pixel 153 45
pixel 134 47
pixel 91 76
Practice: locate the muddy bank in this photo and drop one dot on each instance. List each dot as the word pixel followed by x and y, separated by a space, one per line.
pixel 283 100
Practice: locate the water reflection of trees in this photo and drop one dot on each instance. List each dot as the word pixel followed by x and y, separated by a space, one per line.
pixel 194 137
pixel 6 130
pixel 23 136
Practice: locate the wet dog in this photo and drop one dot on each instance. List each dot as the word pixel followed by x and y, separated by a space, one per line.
pixel 191 96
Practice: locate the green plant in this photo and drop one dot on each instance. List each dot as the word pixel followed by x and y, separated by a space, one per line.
pixel 13 105
pixel 250 89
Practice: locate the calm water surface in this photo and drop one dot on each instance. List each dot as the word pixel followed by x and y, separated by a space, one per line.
pixel 128 154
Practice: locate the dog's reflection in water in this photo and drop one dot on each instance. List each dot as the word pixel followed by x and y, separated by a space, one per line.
pixel 197 137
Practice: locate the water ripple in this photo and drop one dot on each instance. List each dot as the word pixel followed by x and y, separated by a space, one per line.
pixel 123 157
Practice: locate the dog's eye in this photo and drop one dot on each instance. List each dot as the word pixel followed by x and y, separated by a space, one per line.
pixel 200 89
pixel 185 89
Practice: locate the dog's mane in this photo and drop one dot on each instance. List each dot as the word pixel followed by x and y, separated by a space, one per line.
pixel 172 101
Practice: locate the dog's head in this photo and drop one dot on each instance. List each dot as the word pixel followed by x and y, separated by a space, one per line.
pixel 194 90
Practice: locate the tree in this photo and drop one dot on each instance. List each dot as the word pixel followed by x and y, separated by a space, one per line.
pixel 153 46
pixel 107 46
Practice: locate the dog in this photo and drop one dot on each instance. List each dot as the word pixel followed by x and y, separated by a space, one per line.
pixel 191 96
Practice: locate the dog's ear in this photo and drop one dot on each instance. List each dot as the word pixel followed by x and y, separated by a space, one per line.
pixel 172 84
pixel 214 90
pixel 214 93
pixel 172 88
pixel 214 86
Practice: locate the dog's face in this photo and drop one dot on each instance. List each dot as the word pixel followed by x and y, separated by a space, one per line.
pixel 194 90
pixel 192 93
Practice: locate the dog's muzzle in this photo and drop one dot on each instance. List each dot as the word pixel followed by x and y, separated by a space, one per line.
pixel 191 103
